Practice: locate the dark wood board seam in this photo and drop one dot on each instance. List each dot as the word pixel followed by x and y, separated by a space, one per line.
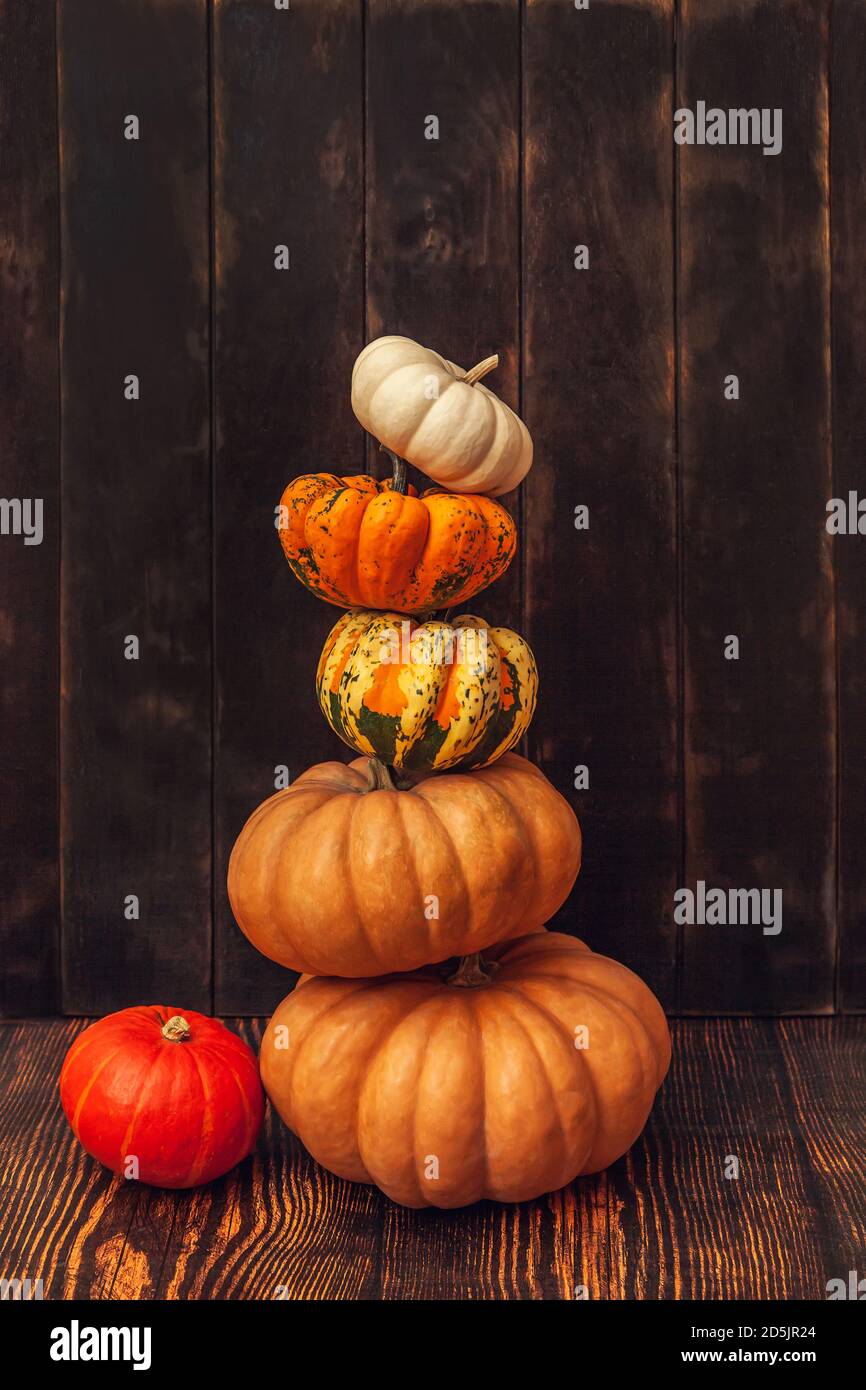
pixel 834 608
pixel 211 212
pixel 62 979
pixel 60 976
pixel 680 549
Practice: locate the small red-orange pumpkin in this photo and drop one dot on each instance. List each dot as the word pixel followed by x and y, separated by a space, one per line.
pixel 169 1088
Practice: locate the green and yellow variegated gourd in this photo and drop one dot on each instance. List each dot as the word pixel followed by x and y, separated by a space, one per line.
pixel 426 696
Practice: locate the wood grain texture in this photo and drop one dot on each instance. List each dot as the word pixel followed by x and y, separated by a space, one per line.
pixel 135 811
pixel 753 294
pixel 599 397
pixel 847 215
pixel 442 215
pixel 29 469
pixel 683 1226
pixel 287 171
pixel 664 1222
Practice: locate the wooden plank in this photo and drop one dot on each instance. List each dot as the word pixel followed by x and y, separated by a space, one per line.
pixel 599 398
pixel 785 1099
pixel 257 1233
pixel 62 1216
pixel 287 171
pixel 135 815
pixel 848 211
pixel 29 475
pixel 826 1070
pixel 552 1248
pixel 442 214
pixel 68 1221
pixel 754 301
pixel 685 1222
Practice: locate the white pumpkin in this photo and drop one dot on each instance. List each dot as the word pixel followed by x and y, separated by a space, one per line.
pixel 439 417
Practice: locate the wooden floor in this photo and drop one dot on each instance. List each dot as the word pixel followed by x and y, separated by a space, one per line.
pixel 787 1099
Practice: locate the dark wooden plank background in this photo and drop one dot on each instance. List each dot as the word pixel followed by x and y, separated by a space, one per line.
pixel 305 127
pixel 601 603
pixel 754 278
pixel 29 468
pixel 135 734
pixel 847 217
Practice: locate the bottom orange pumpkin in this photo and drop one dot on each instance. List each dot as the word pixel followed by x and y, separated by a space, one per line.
pixel 506 1079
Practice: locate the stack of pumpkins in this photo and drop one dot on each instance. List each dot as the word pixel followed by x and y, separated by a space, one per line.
pixel 440 1043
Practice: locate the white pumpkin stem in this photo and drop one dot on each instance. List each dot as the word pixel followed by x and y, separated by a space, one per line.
pixel 398 482
pixel 472 971
pixel 481 369
pixel 176 1029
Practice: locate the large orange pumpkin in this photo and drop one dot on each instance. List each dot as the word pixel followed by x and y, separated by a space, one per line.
pixel 343 874
pixel 543 1068
pixel 366 544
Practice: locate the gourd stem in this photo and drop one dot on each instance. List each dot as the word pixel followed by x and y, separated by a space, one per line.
pixel 381 776
pixel 481 369
pixel 398 477
pixel 472 971
pixel 176 1029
